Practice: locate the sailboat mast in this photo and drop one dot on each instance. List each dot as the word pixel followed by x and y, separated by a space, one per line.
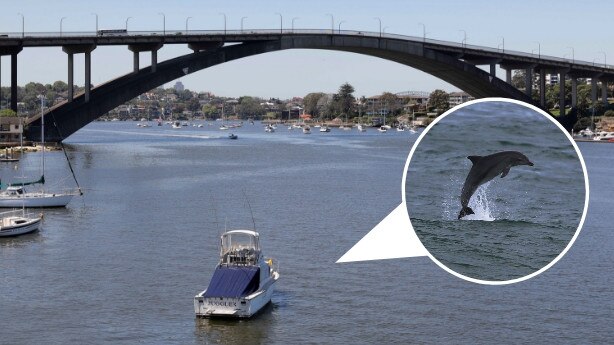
pixel 43 129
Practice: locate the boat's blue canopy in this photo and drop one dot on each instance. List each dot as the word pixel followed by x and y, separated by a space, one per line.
pixel 232 281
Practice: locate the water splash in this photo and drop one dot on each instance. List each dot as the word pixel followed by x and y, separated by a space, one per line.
pixel 484 210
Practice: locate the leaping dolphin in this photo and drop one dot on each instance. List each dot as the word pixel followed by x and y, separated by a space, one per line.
pixel 484 169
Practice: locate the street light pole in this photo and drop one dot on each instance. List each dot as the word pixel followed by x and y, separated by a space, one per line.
pixel 380 25
pixel 127 19
pixel 423 32
pixel 293 19
pixel 502 44
pixel 23 20
pixel 224 14
pixel 464 42
pixel 605 65
pixel 163 23
pixel 61 21
pixel 539 49
pixel 94 14
pixel 573 57
pixel 332 23
pixel 242 19
pixel 281 22
pixel 186 24
pixel 341 22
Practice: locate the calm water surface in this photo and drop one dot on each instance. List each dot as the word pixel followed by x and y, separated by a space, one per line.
pixel 121 265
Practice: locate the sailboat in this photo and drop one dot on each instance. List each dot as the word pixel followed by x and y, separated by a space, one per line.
pixel 16 195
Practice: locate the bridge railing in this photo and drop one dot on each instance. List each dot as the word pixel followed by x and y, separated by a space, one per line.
pixel 287 31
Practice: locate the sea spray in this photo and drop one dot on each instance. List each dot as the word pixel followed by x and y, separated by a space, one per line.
pixel 482 208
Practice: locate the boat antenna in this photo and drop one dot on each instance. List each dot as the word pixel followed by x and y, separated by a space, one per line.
pixel 217 223
pixel 250 208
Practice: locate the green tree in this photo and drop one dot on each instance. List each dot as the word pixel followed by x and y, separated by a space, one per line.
pixel 439 100
pixel 209 110
pixel 249 106
pixel 391 102
pixel 346 100
pixel 310 102
pixel 7 113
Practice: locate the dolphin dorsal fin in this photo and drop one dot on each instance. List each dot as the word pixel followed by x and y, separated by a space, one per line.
pixel 474 159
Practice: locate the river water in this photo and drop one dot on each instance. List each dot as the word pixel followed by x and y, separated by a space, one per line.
pixel 122 264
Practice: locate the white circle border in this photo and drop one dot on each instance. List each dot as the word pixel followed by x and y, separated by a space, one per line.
pixel 586 188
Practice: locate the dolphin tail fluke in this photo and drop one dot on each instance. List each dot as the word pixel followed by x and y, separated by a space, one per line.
pixel 465 211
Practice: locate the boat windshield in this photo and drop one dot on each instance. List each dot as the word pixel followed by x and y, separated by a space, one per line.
pixel 241 247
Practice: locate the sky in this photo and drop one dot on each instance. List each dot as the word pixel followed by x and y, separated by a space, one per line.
pixel 555 26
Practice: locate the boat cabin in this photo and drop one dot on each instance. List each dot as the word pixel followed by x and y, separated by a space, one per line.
pixel 14 191
pixel 240 247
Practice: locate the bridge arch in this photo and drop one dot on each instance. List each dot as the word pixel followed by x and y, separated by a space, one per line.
pixel 63 119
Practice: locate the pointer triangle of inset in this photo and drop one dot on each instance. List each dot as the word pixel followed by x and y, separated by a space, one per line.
pixel 392 238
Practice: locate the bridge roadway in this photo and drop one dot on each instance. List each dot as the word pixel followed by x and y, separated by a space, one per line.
pixel 450 61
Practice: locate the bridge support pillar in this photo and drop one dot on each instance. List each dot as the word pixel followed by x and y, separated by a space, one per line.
pixel 493 70
pixel 508 75
pixel 574 92
pixel 542 87
pixel 145 47
pixel 71 50
pixel 604 92
pixel 562 93
pixel 14 82
pixel 528 81
pixel 135 62
pixel 71 83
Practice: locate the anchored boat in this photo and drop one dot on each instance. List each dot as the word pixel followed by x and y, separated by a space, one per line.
pixel 14 223
pixel 243 281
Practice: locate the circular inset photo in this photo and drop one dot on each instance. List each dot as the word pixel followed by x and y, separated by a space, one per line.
pixel 496 191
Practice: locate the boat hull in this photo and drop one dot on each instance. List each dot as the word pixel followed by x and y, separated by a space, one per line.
pixel 39 200
pixel 239 307
pixel 21 229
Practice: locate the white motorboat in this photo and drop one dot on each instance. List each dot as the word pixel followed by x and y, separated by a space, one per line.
pixel 269 129
pixel 324 129
pixel 243 281
pixel 382 129
pixel 224 127
pixel 306 130
pixel 605 136
pixel 386 127
pixel 400 129
pixel 13 223
pixel 361 128
pixel 176 125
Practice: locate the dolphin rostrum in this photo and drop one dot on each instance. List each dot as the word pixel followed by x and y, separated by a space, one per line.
pixel 484 169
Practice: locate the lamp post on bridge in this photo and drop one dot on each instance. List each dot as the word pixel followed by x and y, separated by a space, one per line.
pixel 242 19
pixel 23 21
pixel 293 19
pixel 539 49
pixel 339 29
pixel 224 14
pixel 380 25
pixel 281 22
pixel 423 32
pixel 605 65
pixel 61 21
pixel 163 23
pixel 332 23
pixel 573 57
pixel 502 44
pixel 127 19
pixel 186 24
pixel 96 14
pixel 464 41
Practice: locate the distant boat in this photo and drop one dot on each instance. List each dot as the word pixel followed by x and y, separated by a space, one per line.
pixel 306 130
pixel 232 136
pixel 243 281
pixel 200 125
pixel 176 125
pixel 400 128
pixel 224 127
pixel 361 128
pixel 382 129
pixel 269 129
pixel 14 223
pixel 324 129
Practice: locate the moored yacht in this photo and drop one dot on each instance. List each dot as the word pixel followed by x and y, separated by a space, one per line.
pixel 13 223
pixel 243 281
